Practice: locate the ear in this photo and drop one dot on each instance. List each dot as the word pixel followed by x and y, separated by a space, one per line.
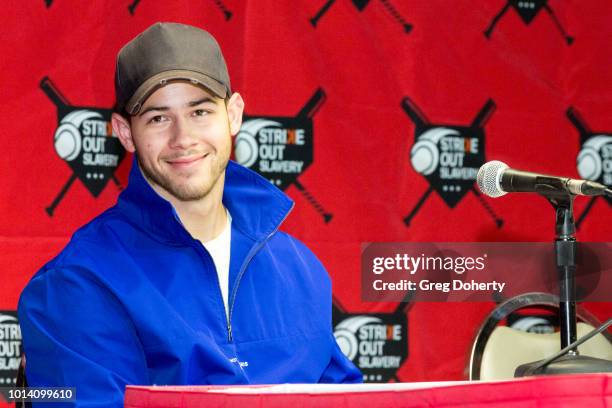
pixel 235 108
pixel 123 130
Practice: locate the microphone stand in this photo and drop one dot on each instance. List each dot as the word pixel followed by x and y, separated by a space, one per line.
pixel 565 254
pixel 565 260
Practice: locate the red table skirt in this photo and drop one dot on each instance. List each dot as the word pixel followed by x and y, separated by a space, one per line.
pixel 590 390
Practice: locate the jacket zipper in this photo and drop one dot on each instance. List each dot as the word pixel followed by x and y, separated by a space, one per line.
pixel 202 248
pixel 250 255
pixel 243 267
pixel 199 246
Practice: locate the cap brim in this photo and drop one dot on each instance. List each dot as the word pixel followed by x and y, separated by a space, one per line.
pixel 150 85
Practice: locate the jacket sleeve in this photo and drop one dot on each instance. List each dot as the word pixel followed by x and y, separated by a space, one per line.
pixel 340 369
pixel 77 334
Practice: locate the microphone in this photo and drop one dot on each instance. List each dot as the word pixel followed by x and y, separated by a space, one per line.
pixel 496 179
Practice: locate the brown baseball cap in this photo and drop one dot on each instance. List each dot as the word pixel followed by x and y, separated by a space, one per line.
pixel 165 52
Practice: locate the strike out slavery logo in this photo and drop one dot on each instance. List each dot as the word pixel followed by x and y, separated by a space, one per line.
pixel 528 10
pixel 281 148
pixel 594 160
pixel 376 343
pixel 10 348
pixel 85 141
pixel 540 324
pixel 448 156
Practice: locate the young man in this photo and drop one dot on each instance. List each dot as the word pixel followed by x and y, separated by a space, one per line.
pixel 186 280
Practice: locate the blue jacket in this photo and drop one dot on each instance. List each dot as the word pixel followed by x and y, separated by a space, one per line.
pixel 134 299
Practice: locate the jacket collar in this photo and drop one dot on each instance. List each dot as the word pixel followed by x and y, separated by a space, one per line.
pixel 256 206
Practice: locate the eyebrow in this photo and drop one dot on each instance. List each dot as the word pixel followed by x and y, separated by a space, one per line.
pixel 200 101
pixel 190 104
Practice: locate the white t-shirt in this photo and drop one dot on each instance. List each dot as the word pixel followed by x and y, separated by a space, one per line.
pixel 219 249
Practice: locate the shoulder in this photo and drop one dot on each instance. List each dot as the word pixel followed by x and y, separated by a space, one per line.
pixel 81 256
pixel 104 232
pixel 67 292
pixel 101 229
pixel 75 283
pixel 282 241
pixel 285 246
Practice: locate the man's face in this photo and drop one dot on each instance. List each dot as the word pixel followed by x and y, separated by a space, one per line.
pixel 182 139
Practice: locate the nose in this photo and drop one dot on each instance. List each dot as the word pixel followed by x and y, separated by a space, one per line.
pixel 181 135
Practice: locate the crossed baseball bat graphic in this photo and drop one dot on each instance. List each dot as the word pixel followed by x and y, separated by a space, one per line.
pixel 220 5
pixel 61 102
pixel 569 39
pixel 420 121
pixel 360 5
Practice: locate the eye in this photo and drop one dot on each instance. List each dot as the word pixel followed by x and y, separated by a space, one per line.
pixel 157 119
pixel 200 112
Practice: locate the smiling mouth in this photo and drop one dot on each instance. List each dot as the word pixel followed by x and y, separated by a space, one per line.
pixel 186 161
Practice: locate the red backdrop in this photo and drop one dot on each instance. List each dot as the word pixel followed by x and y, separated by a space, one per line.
pixel 367 57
